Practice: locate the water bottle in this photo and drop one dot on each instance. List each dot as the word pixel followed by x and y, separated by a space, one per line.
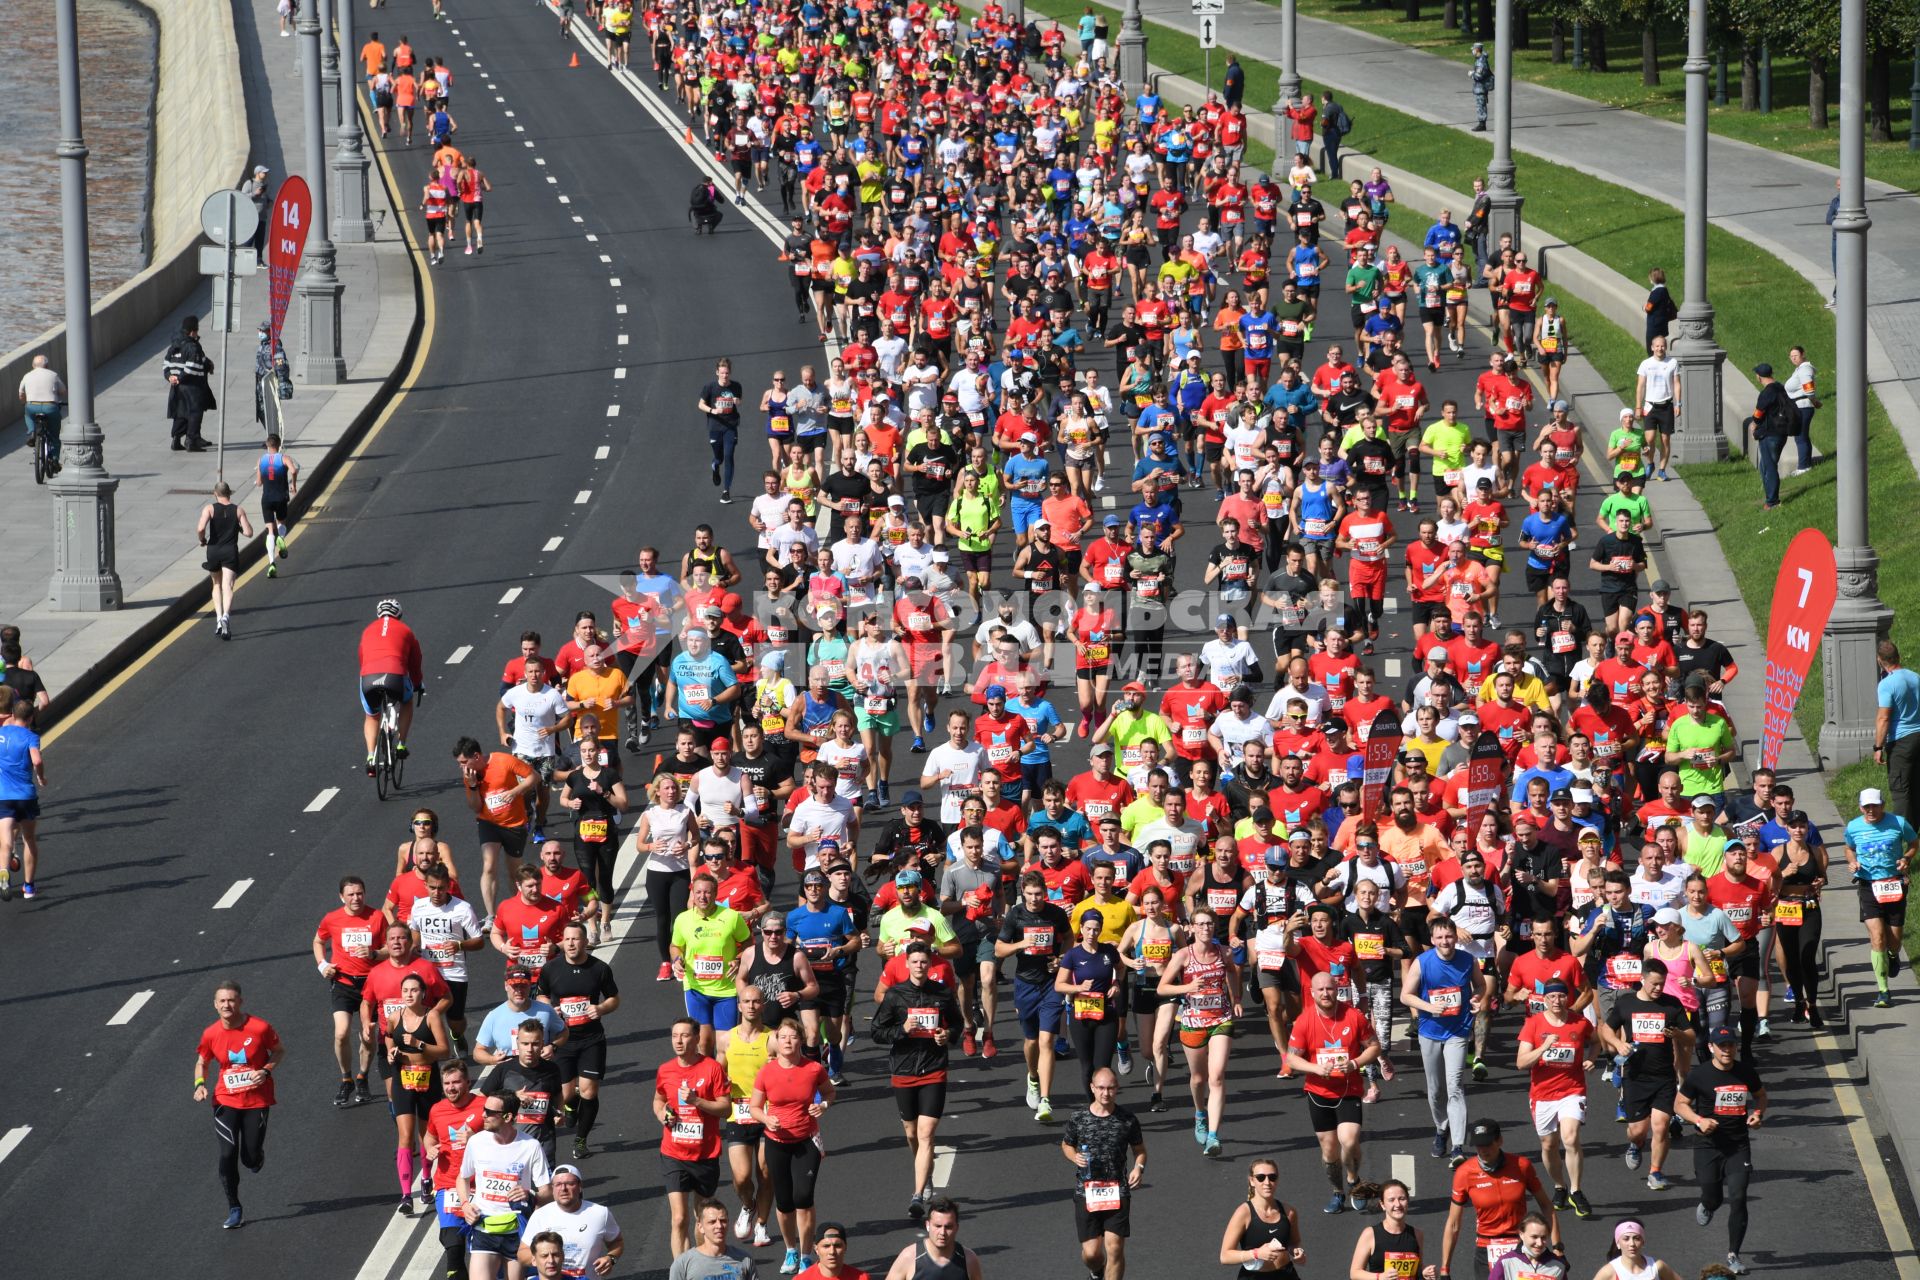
pixel 1086 1168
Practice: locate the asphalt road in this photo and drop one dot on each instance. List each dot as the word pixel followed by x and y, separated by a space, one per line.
pixel 210 764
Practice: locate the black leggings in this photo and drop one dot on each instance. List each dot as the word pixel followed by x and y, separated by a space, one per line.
pixel 1364 614
pixel 1093 1041
pixel 667 895
pixel 795 1167
pixel 454 1241
pixel 596 863
pixel 242 1132
pixel 1722 1177
pixel 1800 952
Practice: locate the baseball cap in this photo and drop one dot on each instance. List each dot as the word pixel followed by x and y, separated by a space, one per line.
pixel 1469 719
pixel 896 501
pixel 814 877
pixel 567 1168
pixel 1870 795
pixel 1133 686
pixel 1708 802
pixel 1556 404
pixel 1551 302
pixel 1660 586
pixel 1102 749
pixel 1666 915
pixel 1275 858
pixel 1112 521
pixel 519 976
pixel 1763 370
pixel 722 743
pixel 1028 436
pixel 1560 794
pixel 910 878
pixel 1589 833
pixel 828 842
pixel 1484 1133
pixel 910 799
pixel 1223 620
pixel 1722 1035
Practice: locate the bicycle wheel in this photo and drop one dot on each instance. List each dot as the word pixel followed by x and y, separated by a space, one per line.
pixel 382 763
pixel 399 767
pixel 39 461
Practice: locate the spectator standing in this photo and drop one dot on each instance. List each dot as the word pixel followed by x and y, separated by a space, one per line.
pixel 1806 401
pixel 1774 420
pixel 1896 730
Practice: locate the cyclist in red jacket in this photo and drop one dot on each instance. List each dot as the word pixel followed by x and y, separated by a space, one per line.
pixel 390 667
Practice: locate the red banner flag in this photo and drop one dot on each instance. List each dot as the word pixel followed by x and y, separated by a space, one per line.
pixel 1486 776
pixel 286 241
pixel 1378 749
pixel 1803 596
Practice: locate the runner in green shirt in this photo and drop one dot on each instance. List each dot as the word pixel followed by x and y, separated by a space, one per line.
pixel 1625 498
pixel 1699 744
pixel 1445 441
pixel 1139 735
pixel 1627 449
pixel 706 945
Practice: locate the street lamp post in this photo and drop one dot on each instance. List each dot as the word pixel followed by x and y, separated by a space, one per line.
pixel 1859 618
pixel 83 573
pixel 1503 201
pixel 351 224
pixel 1699 437
pixel 1133 48
pixel 319 288
pixel 1289 53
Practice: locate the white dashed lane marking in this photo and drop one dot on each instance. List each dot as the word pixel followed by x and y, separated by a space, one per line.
pixel 513 593
pixel 233 895
pixel 581 498
pixel 135 1002
pixel 459 655
pixel 553 544
pixel 613 411
pixel 319 802
pixel 602 452
pixel 14 1137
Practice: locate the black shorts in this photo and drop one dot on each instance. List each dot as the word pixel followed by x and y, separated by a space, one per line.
pixel 1359 316
pixel 343 994
pixel 1892 913
pixel 1214 453
pixel 587 1060
pixel 1611 600
pixel 1146 1001
pixel 1661 417
pixel 1107 1222
pixel 456 1001
pixel 474 209
pixel 1432 315
pixel 1328 1116
pixel 1747 963
pixel 977 561
pixel 1539 579
pixel 1642 1098
pixel 921 1100
pixel 273 512
pixel 436 226
pixel 1425 611
pixel 833 994
pixel 741 1135
pixel 702 1177
pixel 512 839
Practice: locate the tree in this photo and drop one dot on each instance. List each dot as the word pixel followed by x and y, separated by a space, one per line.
pixel 1808 28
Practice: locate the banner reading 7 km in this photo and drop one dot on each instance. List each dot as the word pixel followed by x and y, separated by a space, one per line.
pixel 1803 598
pixel 286 241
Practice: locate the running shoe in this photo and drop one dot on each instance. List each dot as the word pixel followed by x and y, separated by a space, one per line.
pixel 1336 1205
pixel 726 497
pixel 1157 1103
pixel 1882 1001
pixel 1211 1146
pixel 715 473
pixel 26 891
pixel 666 972
pixel 344 1096
pixel 1581 1209
pixel 791 1263
pixel 1632 1156
pixel 1372 1094
pixel 1200 1127
pixel 1033 1093
pixel 966 1042
pixel 1702 1215
pixel 1560 1200
pixel 1735 1265
pixel 988 1049
pixel 369 766
pixel 1439 1143
pixel 807 1260
pixel 1786 993
pixel 234 1219
pixel 405 1207
pixel 1124 1056
pixel 1356 1201
pixel 1762 1031
pixel 273 571
pixel 917 1207
pixel 1814 1020
pixel 919 745
pixel 1386 1068
pixel 761 1237
pixel 1044 1112
pixel 1479 1069
pixel 360 1091
pixel 580 1151
pixel 743 1223
pixel 1657 1181
pixel 1456 1157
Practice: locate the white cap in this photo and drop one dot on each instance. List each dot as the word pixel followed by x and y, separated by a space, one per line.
pixel 1666 915
pixel 1870 796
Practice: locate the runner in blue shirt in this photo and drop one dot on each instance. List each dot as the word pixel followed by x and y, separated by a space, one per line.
pixel 700 686
pixel 22 774
pixel 1880 847
pixel 1043 730
pixel 1445 987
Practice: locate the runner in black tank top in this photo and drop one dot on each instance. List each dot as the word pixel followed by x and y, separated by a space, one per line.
pixel 221 527
pixel 1264 1220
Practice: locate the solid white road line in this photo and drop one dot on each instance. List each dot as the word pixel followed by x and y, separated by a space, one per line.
pixel 319 802
pixel 553 544
pixel 393 1242
pixel 513 593
pixel 233 895
pixel 1847 1098
pixel 459 655
pixel 581 498
pixel 943 1158
pixel 600 454
pixel 134 1004
pixel 14 1137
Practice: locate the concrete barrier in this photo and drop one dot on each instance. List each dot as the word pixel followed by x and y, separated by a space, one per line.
pixel 200 143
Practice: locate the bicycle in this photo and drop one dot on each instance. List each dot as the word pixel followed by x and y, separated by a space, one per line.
pixel 389 766
pixel 46 455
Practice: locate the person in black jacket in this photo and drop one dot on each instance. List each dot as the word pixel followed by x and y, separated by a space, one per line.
pixel 1775 419
pixel 189 395
pixel 1659 307
pixel 917 1020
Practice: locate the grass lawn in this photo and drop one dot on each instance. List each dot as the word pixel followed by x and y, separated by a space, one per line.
pixel 1764 308
pixel 1785 129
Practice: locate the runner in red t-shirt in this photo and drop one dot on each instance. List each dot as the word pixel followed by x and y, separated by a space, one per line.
pixel 1366 536
pixel 237 1056
pixel 690 1099
pixel 1330 1046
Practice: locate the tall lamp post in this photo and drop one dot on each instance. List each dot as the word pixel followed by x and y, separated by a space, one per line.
pixel 1503 201
pixel 351 223
pixel 1700 436
pixel 1859 618
pixel 319 288
pixel 1289 86
pixel 83 573
pixel 1133 48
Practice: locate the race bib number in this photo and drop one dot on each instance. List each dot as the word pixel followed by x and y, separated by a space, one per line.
pixel 876 704
pixel 577 1010
pixel 1000 753
pixel 1333 1061
pixel 1401 1266
pixel 1445 1000
pixel 689 1131
pixel 1561 642
pixel 779 424
pixel 1313 528
pixel 1039 939
pixel 1369 946
pixel 923 1022
pixel 1889 890
pixel 740 1114
pixel 1271 958
pixel 709 968
pixel 1649 1028
pixel 1096 653
pixel 357 942
pixel 241 1079
pixel 1559 1054
pixel 1102 1197
pixel 592 830
pixel 696 695
pixel 1790 912
pixel 1192 735
pixel 416 1079
pixel 1730 1100
pixel 1089 1007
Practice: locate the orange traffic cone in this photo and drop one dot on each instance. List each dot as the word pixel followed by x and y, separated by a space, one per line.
pixel 575 60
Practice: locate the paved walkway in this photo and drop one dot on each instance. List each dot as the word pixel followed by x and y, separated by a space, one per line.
pixel 1777 202
pixel 161 491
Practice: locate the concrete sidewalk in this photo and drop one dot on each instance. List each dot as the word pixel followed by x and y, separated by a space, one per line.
pixel 1778 203
pixel 161 492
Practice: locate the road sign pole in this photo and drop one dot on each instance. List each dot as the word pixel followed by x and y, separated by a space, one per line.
pixel 226 328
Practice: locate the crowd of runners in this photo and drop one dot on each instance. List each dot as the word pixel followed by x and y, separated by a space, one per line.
pixel 1527 848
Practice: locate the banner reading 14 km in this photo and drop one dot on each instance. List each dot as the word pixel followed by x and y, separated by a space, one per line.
pixel 1803 597
pixel 286 241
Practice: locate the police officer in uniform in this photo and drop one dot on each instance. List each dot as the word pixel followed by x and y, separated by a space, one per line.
pixel 189 395
pixel 1482 78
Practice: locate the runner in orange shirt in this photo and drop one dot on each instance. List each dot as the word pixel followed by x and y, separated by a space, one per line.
pixel 496 785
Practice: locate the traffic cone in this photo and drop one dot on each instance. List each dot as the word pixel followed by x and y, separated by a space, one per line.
pixel 575 60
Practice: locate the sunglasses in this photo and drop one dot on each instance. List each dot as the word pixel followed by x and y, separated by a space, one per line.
pixel 424 822
pixel 494 1111
pixel 1266 1177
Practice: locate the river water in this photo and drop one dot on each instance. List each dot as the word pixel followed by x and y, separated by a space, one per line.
pixel 117 55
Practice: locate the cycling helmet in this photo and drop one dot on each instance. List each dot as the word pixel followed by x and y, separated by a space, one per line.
pixel 388 608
